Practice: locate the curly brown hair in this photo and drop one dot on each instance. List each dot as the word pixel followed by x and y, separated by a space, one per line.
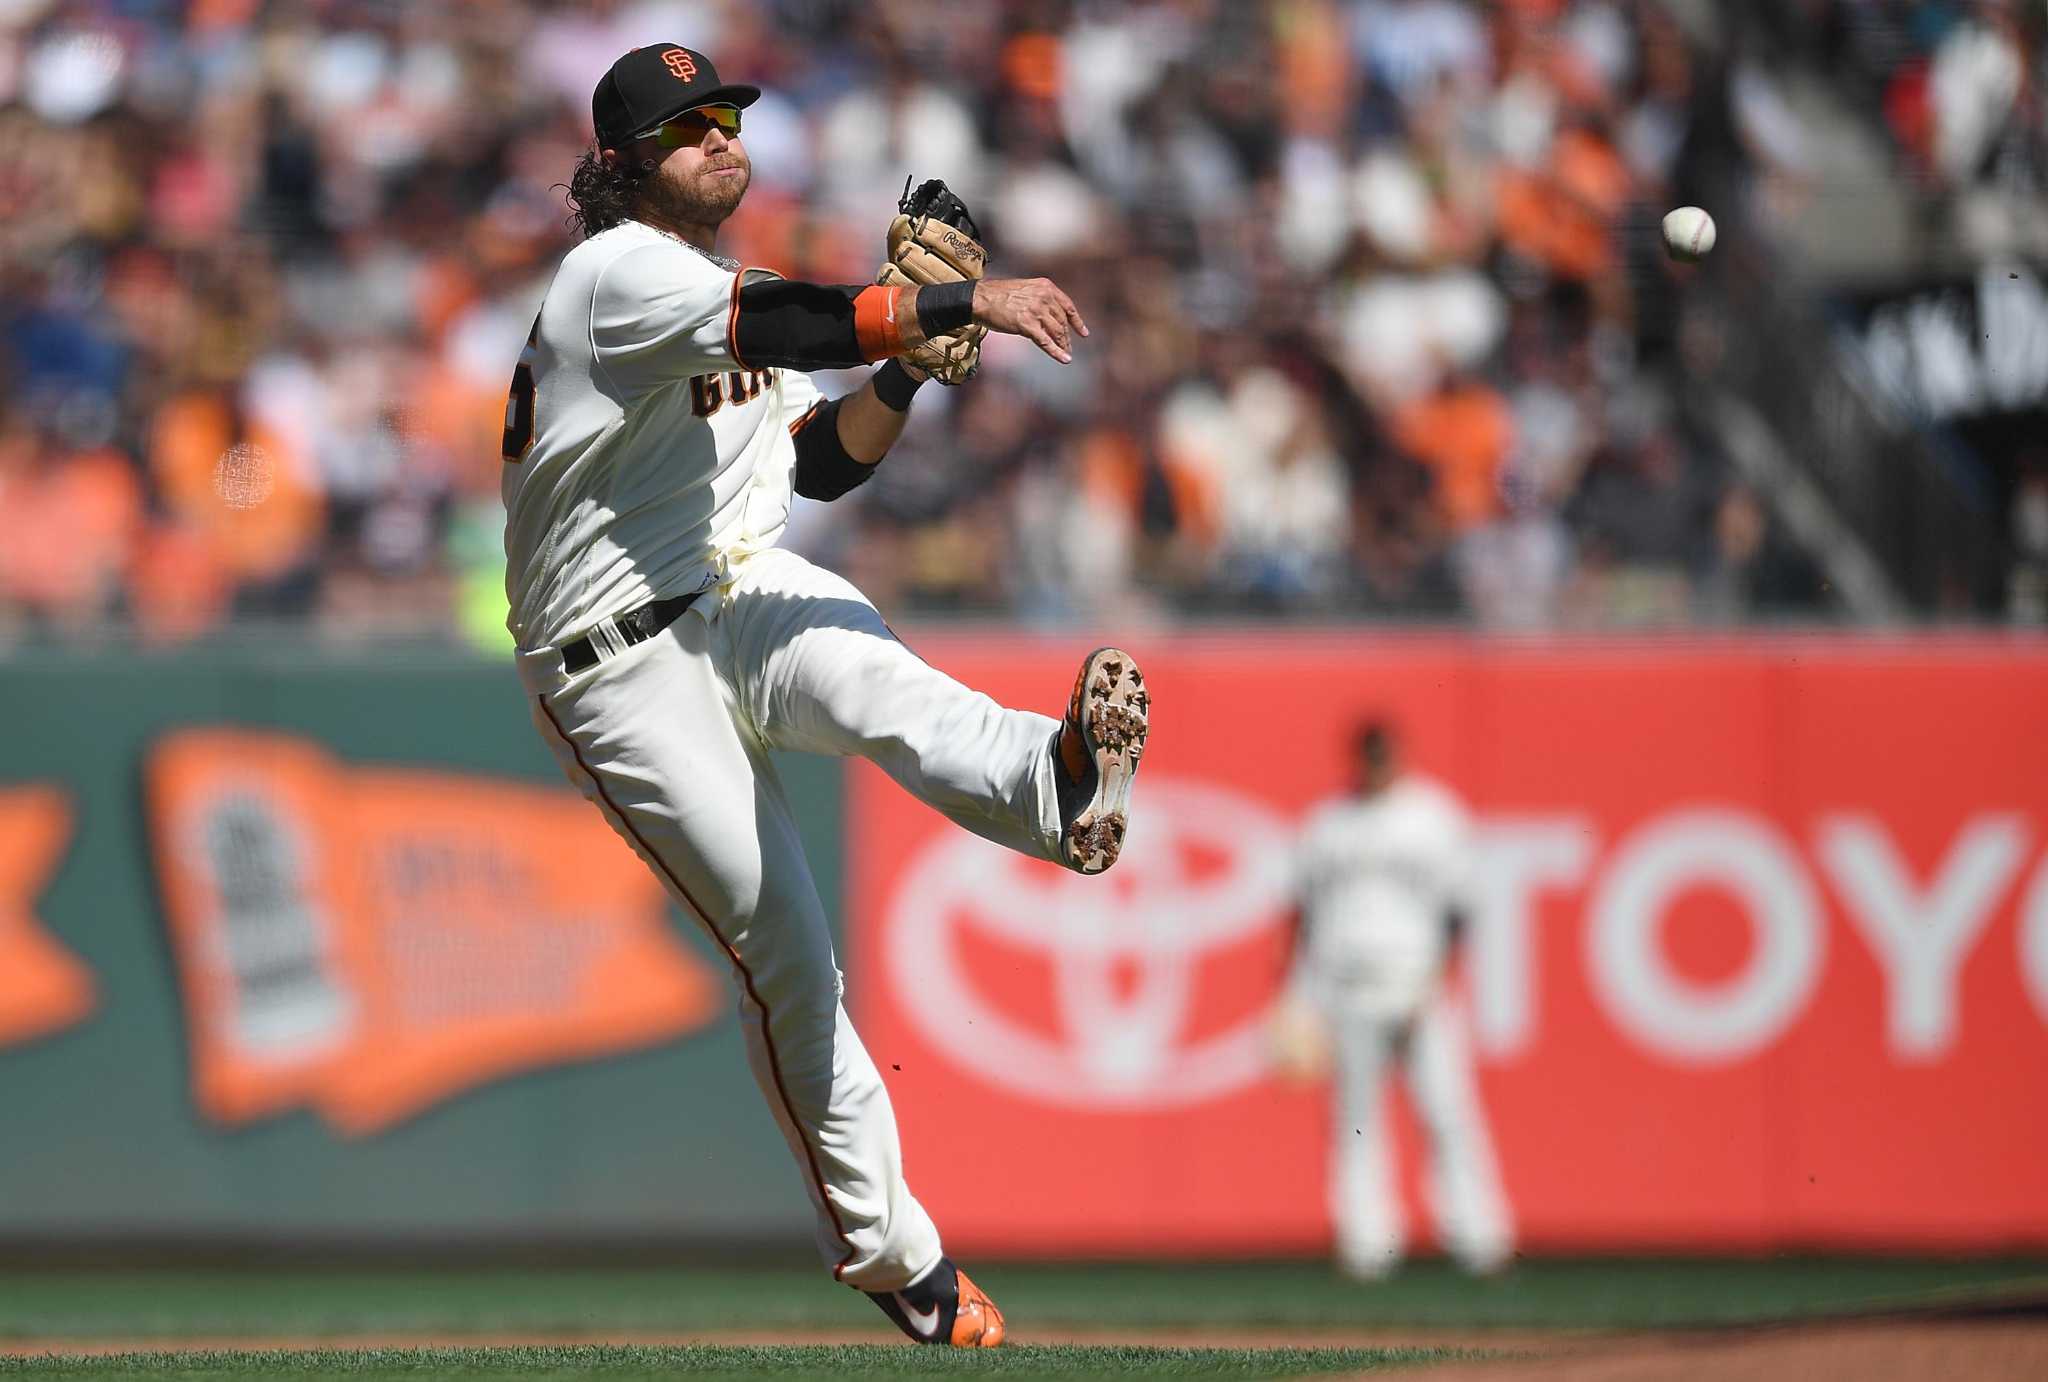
pixel 600 196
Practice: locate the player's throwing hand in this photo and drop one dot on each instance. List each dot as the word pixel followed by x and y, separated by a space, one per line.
pixel 1031 307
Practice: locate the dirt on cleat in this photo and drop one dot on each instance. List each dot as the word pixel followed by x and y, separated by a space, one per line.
pixel 1109 711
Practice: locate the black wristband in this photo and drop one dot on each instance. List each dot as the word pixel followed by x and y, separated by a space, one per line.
pixel 894 385
pixel 945 307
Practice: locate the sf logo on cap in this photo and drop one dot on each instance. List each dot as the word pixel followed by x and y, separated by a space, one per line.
pixel 679 63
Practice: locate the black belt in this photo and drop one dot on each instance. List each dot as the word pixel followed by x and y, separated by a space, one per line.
pixel 610 637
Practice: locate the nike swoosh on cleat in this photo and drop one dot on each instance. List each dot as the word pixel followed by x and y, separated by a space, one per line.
pixel 926 1321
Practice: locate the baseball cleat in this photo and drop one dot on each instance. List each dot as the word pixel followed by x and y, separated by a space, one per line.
pixel 1100 742
pixel 944 1307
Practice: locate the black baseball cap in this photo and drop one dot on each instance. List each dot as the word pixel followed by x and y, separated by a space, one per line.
pixel 657 83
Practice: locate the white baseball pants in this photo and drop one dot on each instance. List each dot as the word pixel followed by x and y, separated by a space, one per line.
pixel 670 739
pixel 1463 1183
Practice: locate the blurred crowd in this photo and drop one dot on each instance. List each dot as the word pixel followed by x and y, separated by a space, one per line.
pixel 1381 324
pixel 1949 89
pixel 1911 139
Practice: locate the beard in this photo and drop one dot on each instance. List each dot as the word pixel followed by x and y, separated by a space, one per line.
pixel 699 197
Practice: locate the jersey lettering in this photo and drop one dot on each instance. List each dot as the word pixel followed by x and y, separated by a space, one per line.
pixel 708 392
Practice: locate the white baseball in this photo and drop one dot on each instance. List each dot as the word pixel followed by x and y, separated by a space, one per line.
pixel 1688 233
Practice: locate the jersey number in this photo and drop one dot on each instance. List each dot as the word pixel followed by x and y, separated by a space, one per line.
pixel 519 403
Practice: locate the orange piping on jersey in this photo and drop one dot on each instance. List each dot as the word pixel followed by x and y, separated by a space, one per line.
pixel 805 420
pixel 877 322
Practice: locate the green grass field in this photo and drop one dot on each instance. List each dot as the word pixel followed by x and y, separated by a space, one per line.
pixel 617 1364
pixel 726 1361
pixel 1312 1319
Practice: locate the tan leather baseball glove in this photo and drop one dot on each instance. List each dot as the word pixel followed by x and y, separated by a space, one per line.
pixel 934 240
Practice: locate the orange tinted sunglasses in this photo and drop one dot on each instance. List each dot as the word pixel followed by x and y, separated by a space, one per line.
pixel 687 130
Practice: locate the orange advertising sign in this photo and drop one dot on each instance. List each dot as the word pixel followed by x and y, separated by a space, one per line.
pixel 371 941
pixel 1760 960
pixel 43 988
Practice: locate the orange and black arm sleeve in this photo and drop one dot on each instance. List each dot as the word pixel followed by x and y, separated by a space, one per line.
pixel 811 326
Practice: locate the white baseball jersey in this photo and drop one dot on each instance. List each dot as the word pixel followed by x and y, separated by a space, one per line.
pixel 1375 878
pixel 642 456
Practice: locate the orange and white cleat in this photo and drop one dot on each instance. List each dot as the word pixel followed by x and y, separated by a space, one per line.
pixel 976 1321
pixel 944 1307
pixel 1100 742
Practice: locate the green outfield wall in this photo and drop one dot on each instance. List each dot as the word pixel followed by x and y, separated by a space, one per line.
pixel 454 1118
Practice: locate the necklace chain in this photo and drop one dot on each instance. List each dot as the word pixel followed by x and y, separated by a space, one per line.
pixel 731 266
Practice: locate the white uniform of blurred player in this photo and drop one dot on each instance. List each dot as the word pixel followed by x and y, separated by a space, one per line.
pixel 1383 879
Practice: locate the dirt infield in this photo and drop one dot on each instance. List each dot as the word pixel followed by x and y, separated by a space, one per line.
pixel 1998 1350
pixel 1993 1349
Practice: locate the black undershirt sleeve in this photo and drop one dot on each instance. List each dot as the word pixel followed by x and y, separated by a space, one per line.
pixel 778 323
pixel 824 469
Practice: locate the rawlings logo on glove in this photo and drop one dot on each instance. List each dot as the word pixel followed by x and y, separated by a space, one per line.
pixel 934 240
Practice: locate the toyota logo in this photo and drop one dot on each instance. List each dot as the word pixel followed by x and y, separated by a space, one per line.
pixel 1126 954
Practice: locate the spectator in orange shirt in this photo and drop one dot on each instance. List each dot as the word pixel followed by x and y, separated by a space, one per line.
pixel 1463 432
pixel 1564 216
pixel 70 519
pixel 234 485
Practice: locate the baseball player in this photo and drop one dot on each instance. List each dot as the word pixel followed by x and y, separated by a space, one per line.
pixel 1383 886
pixel 659 420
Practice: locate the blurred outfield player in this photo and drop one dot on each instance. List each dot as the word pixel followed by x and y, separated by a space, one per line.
pixel 1383 885
pixel 659 421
